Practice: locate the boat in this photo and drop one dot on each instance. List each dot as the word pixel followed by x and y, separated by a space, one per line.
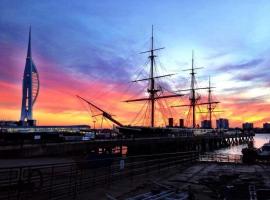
pixel 264 152
pixel 156 93
pixel 250 154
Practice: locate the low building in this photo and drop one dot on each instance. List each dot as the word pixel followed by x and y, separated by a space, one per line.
pixel 45 129
pixel 222 123
pixel 8 123
pixel 170 121
pixel 266 125
pixel 247 126
pixel 206 124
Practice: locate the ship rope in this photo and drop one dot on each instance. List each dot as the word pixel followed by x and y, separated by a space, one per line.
pixel 134 120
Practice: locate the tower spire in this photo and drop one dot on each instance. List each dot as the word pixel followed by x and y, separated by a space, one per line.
pixel 29 53
pixel 30 86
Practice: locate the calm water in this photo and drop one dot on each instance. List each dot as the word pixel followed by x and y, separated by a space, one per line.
pixel 259 140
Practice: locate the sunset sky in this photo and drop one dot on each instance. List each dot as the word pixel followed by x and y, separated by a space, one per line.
pixel 91 48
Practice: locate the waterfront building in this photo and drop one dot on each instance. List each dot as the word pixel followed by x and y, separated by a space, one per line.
pixel 73 129
pixel 222 123
pixel 8 123
pixel 266 125
pixel 206 124
pixel 247 125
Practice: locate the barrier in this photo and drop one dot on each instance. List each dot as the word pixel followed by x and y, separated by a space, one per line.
pixel 218 157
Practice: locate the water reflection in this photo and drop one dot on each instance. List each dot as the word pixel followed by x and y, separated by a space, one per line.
pixel 259 140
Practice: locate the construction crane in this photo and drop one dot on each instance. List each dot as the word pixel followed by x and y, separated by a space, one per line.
pixel 103 113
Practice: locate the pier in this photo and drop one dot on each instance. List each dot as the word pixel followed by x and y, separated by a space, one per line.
pixel 132 146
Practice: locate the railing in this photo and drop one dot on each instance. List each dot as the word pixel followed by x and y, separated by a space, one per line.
pixel 67 180
pixel 224 158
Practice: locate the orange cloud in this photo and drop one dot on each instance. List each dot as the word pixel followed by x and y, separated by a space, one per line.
pixel 58 105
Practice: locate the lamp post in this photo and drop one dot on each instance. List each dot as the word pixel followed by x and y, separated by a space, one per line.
pixel 94 127
pixel 94 124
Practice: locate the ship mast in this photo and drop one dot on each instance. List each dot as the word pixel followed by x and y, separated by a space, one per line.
pixel 103 112
pixel 193 98
pixel 209 106
pixel 152 90
pixel 209 103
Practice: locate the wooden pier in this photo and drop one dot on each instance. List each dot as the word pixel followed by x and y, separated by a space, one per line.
pixel 132 146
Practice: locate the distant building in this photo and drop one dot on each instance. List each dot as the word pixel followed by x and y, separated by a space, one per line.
pixel 222 123
pixel 181 123
pixel 206 124
pixel 170 121
pixel 247 125
pixel 266 125
pixel 8 123
pixel 75 129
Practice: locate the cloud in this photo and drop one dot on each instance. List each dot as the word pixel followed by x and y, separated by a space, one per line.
pixel 11 63
pixel 252 76
pixel 241 66
pixel 89 49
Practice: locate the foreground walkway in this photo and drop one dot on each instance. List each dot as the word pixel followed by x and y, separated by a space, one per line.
pixel 49 178
pixel 206 181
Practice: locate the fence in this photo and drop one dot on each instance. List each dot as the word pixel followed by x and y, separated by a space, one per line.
pixel 224 158
pixel 66 180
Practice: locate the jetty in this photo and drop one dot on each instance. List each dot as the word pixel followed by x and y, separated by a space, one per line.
pixel 133 146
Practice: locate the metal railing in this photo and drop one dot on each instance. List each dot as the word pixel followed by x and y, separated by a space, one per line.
pixel 218 157
pixel 67 180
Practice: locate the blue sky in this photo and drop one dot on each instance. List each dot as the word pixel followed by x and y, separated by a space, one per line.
pixel 100 41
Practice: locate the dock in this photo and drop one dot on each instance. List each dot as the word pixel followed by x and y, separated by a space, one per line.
pixel 134 146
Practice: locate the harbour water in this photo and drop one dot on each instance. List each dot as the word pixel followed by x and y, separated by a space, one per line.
pixel 259 140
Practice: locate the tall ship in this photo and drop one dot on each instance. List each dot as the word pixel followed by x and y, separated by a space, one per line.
pixel 156 93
